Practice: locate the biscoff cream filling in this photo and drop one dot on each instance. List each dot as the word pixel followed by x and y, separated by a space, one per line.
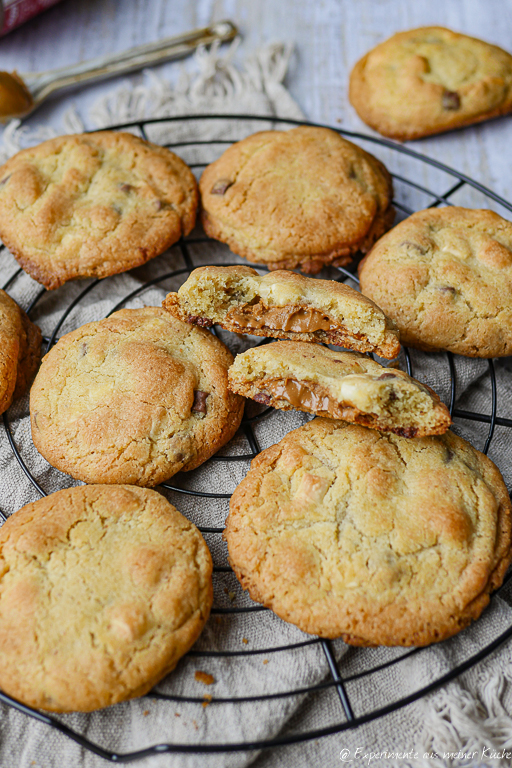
pixel 288 318
pixel 366 395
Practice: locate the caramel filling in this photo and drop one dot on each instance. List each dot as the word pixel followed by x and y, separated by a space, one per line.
pixel 287 318
pixel 304 394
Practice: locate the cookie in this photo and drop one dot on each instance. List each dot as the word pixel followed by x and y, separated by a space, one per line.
pixel 444 276
pixel 284 305
pixel 93 205
pixel 29 355
pixel 352 533
pixel 20 351
pixel 300 198
pixel 11 330
pixel 341 385
pixel 133 398
pixel 103 589
pixel 429 80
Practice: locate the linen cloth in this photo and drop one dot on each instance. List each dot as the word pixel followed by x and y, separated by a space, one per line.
pixel 471 714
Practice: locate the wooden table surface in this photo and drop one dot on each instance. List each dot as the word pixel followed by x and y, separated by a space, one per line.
pixel 329 36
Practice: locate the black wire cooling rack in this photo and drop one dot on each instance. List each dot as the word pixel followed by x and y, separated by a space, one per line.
pixel 410 195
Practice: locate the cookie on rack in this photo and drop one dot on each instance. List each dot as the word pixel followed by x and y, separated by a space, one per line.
pixel 284 305
pixel 429 80
pixel 104 588
pixel 20 351
pixel 93 205
pixel 340 385
pixel 299 198
pixel 133 398
pixel 444 275
pixel 349 532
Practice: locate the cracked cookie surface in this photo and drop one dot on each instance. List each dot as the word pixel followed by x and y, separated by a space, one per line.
pixel 93 205
pixel 102 590
pixel 339 385
pixel 445 277
pixel 284 305
pixel 300 198
pixel 133 398
pixel 429 80
pixel 352 533
pixel 20 351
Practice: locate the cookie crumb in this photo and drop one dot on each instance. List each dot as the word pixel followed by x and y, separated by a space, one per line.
pixel 195 724
pixel 146 712
pixel 207 700
pixel 204 677
pixel 245 640
pixel 177 714
pixel 265 661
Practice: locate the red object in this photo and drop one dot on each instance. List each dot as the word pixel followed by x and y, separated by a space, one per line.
pixel 16 12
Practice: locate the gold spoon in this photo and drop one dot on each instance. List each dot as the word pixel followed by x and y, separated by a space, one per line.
pixel 21 94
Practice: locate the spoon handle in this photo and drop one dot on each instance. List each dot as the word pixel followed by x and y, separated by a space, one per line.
pixel 42 84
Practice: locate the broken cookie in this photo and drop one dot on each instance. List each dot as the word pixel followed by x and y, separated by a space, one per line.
pixel 340 385
pixel 284 305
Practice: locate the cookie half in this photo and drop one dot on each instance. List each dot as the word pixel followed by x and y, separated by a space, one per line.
pixel 444 275
pixel 340 385
pixel 93 205
pixel 429 80
pixel 104 588
pixel 284 305
pixel 299 198
pixel 20 351
pixel 133 398
pixel 352 533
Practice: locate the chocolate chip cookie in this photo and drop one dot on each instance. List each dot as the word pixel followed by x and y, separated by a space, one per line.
pixel 20 351
pixel 93 205
pixel 444 276
pixel 352 533
pixel 340 385
pixel 284 305
pixel 430 80
pixel 102 590
pixel 301 198
pixel 133 398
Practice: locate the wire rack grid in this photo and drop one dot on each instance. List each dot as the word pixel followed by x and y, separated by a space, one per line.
pixel 335 680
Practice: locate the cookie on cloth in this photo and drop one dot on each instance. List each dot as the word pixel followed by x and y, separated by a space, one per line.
pixel 133 398
pixel 444 275
pixel 284 305
pixel 349 532
pixel 93 205
pixel 299 198
pixel 340 385
pixel 429 80
pixel 102 590
pixel 20 351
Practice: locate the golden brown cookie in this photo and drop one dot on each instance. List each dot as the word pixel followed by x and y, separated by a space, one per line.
pixel 284 305
pixel 20 351
pixel 444 275
pixel 93 205
pixel 352 533
pixel 133 398
pixel 102 590
pixel 29 356
pixel 430 80
pixel 340 385
pixel 301 198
